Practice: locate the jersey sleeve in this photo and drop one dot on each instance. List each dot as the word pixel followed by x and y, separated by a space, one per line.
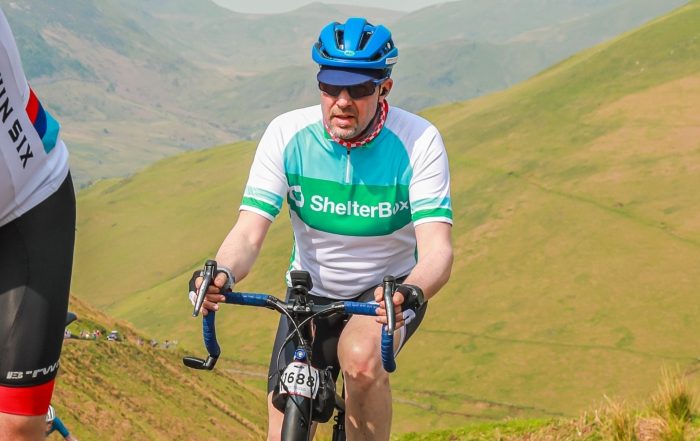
pixel 267 182
pixel 429 190
pixel 12 57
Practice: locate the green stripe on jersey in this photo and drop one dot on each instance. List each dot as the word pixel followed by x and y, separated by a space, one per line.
pixel 263 195
pixel 438 212
pixel 425 204
pixel 261 205
pixel 367 210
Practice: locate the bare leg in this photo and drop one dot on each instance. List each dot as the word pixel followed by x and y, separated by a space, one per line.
pixel 368 400
pixel 22 428
pixel 274 421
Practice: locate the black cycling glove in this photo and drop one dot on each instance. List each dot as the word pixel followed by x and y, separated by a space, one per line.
pixel 413 296
pixel 230 280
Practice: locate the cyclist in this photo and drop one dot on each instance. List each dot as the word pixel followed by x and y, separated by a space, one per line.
pixel 368 189
pixel 37 232
pixel 54 423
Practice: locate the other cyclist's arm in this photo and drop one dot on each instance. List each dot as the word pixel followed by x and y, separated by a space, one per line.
pixel 432 271
pixel 237 253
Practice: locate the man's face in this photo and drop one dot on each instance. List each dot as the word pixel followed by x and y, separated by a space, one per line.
pixel 348 117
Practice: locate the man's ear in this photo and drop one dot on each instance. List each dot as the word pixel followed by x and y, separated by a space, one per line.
pixel 386 87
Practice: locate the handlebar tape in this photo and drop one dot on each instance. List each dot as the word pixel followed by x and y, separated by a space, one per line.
pixel 209 333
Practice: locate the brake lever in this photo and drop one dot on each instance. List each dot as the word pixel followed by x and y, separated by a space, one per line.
pixel 389 286
pixel 207 278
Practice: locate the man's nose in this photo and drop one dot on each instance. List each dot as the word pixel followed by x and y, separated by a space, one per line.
pixel 344 98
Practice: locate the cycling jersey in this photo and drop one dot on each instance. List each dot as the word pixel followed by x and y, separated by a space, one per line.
pixel 353 210
pixel 33 158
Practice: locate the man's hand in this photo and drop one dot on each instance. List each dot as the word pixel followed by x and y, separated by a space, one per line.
pixel 397 300
pixel 222 283
pixel 405 297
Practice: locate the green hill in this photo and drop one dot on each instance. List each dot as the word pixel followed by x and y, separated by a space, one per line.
pixel 128 389
pixel 576 234
pixel 134 81
pixel 132 389
pixel 482 47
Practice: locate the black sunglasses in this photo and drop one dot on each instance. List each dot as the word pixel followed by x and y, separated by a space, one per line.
pixel 356 91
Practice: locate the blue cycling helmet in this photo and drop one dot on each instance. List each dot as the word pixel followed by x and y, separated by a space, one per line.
pixel 356 45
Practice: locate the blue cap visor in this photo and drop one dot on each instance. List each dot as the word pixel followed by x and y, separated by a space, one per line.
pixel 348 77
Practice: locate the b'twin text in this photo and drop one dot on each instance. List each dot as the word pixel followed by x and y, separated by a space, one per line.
pixel 18 375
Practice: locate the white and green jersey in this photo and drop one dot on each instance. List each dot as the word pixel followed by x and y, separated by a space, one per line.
pixel 353 210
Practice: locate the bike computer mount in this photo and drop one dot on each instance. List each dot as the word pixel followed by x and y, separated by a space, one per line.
pixel 301 280
pixel 301 285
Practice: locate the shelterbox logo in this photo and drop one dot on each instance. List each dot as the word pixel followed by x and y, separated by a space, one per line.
pixel 324 204
pixel 353 208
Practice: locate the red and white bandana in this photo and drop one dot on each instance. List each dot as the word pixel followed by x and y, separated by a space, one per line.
pixel 383 111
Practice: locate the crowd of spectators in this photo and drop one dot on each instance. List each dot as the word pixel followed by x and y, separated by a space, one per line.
pixel 97 334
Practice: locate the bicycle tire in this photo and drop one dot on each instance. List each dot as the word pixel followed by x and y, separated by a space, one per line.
pixel 297 413
pixel 339 427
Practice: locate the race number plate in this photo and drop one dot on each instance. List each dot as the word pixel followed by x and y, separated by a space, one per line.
pixel 299 379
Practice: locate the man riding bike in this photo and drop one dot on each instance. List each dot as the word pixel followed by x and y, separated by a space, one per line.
pixel 53 423
pixel 368 190
pixel 37 233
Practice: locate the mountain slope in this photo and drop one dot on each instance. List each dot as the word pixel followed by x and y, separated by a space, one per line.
pixel 483 47
pixel 494 21
pixel 135 81
pixel 576 239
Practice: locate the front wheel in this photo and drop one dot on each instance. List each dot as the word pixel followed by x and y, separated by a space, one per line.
pixel 297 419
pixel 339 427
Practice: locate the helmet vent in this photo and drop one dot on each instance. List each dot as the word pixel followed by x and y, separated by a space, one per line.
pixel 339 39
pixel 364 39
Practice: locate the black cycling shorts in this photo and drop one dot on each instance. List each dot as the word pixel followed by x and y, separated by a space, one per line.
pixel 324 351
pixel 36 258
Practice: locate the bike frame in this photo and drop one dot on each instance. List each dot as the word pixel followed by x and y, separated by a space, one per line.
pixel 300 311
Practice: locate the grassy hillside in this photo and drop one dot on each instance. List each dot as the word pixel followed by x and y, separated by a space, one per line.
pixel 128 390
pixel 576 234
pixel 125 390
pixel 134 81
pixel 670 413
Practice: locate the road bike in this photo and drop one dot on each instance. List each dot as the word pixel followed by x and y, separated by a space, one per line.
pixel 305 393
